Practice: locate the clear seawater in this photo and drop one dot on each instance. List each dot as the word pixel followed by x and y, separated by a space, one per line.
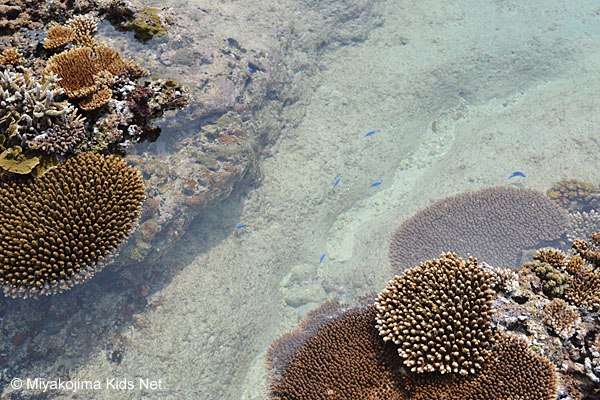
pixel 460 94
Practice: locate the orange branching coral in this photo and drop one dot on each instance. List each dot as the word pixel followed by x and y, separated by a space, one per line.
pixel 11 56
pixel 79 66
pixel 59 230
pixel 98 99
pixel 439 315
pixel 58 36
pixel 562 318
pixel 513 372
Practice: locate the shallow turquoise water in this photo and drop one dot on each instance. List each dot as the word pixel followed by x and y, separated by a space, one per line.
pixel 460 94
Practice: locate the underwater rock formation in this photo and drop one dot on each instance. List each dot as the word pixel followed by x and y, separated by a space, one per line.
pixel 60 229
pixel 495 223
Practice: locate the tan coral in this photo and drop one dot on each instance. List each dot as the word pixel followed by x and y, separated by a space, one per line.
pixel 552 256
pixel 514 372
pixel 135 70
pixel 58 36
pixel 11 56
pixel 59 230
pixel 345 359
pixel 79 66
pixel 584 288
pixel 98 99
pixel 439 315
pixel 562 318
pixel 84 27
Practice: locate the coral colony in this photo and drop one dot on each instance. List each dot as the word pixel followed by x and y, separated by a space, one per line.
pixel 456 328
pixel 67 203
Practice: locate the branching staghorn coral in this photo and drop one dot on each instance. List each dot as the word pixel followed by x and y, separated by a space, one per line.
pixel 27 104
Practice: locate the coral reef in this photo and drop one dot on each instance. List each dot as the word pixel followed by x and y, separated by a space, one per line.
pixel 514 372
pixel 583 224
pixel 573 194
pixel 505 279
pixel 338 353
pixel 11 56
pixel 344 359
pixel 29 105
pixel 62 137
pixel 78 68
pixel 589 250
pixel 494 223
pixel 58 36
pixel 584 289
pixel 554 281
pixel 439 315
pixel 562 318
pixel 84 28
pixel 60 229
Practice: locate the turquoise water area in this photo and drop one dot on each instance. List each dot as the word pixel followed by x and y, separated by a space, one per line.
pixel 459 94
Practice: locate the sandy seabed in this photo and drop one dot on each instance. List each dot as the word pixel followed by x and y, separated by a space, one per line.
pixel 460 94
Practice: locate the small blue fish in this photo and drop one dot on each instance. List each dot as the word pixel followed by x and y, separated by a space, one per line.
pixel 322 257
pixel 370 133
pixel 517 173
pixel 250 68
pixel 376 183
pixel 336 182
pixel 241 226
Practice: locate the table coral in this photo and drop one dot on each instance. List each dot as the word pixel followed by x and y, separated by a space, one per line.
pixel 494 223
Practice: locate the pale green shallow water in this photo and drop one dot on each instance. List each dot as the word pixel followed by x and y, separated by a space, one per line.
pixel 460 95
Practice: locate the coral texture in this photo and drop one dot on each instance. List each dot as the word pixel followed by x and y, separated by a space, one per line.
pixel 554 281
pixel 572 194
pixel 58 230
pixel 282 349
pixel 29 105
pixel 495 224
pixel 439 315
pixel 344 360
pixel 562 318
pixel 584 289
pixel 58 36
pixel 78 67
pixel 589 249
pixel 583 224
pixel 62 137
pixel 84 28
pixel 11 56
pixel 514 372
